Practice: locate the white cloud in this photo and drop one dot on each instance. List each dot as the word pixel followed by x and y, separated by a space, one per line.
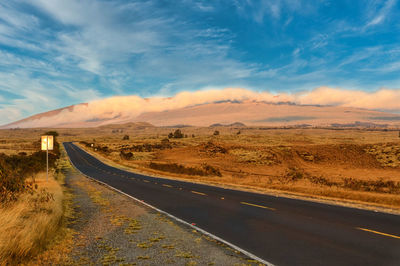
pixel 107 42
pixel 33 95
pixel 379 16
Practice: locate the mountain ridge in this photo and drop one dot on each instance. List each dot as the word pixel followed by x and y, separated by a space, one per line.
pixel 250 113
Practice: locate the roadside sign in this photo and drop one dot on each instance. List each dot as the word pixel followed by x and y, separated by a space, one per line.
pixel 47 143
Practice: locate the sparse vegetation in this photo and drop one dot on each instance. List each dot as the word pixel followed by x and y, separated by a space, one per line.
pixel 372 185
pixel 181 169
pixel 15 169
pixel 388 154
pixel 307 161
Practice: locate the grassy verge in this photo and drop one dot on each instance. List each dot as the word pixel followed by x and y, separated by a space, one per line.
pixel 27 225
pixel 34 224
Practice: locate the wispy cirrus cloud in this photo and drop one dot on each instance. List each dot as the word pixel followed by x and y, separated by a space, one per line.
pixel 259 10
pixel 102 44
pixel 73 50
pixel 379 11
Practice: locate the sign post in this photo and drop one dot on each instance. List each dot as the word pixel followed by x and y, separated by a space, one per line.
pixel 47 144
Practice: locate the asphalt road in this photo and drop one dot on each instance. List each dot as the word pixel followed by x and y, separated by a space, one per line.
pixel 279 230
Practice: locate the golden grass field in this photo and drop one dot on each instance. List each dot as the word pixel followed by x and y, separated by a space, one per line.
pixel 26 226
pixel 353 164
pixel 357 165
pixel 32 223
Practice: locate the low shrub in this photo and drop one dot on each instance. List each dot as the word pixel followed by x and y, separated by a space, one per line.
pixel 206 170
pixel 176 135
pixel 14 170
pixel 212 149
pixel 126 155
pixel 372 185
pixel 147 147
pixel 292 175
pixel 210 170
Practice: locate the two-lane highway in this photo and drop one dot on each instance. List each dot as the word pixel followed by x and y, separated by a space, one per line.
pixel 279 230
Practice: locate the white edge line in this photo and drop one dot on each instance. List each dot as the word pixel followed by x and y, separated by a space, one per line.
pixel 250 255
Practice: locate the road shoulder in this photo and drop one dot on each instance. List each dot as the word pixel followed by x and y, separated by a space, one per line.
pixel 110 229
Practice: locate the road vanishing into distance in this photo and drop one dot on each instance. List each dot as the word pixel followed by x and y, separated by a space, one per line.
pixel 279 230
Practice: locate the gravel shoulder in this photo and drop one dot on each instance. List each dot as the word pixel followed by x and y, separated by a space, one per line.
pixel 112 229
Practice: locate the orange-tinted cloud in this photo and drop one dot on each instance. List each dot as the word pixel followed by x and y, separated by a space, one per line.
pixel 385 99
pixel 123 108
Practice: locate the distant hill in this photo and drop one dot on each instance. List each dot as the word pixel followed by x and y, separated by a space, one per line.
pixel 131 125
pixel 236 124
pixel 249 113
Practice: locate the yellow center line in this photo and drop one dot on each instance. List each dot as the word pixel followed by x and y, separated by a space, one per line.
pixel 379 233
pixel 165 185
pixel 259 206
pixel 147 181
pixel 200 193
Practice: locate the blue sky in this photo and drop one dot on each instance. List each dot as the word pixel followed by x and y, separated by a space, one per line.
pixel 56 53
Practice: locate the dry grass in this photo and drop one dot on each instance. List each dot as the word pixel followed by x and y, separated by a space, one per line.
pixel 27 225
pixel 356 165
pixel 16 141
pixel 33 223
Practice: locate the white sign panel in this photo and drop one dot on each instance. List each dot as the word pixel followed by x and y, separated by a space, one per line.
pixel 47 142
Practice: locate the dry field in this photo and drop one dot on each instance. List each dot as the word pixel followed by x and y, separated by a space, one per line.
pixel 357 165
pixel 16 141
pixel 352 164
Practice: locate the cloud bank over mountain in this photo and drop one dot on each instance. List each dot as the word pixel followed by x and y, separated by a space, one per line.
pixel 127 108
